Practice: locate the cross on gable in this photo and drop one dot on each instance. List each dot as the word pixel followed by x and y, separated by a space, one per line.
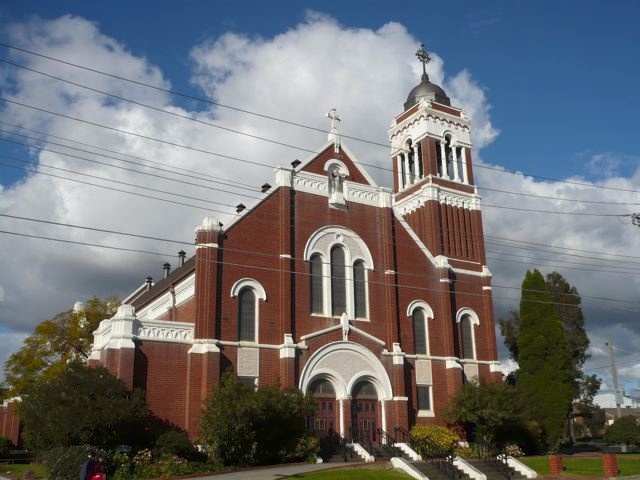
pixel 333 133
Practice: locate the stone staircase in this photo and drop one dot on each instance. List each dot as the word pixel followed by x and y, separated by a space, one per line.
pixel 493 473
pixel 432 472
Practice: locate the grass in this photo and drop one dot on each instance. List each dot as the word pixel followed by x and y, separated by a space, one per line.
pixel 628 464
pixel 357 473
pixel 17 470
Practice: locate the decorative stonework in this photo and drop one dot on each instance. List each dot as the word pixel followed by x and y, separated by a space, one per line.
pixel 176 332
pixel 248 361
pixel 183 291
pixel 430 191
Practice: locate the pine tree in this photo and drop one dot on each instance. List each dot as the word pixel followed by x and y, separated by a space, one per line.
pixel 546 373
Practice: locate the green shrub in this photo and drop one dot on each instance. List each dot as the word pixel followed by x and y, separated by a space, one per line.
pixel 5 447
pixel 433 435
pixel 176 442
pixel 624 431
pixel 64 463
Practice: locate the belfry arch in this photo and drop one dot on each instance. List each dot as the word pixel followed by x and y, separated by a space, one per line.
pixel 347 366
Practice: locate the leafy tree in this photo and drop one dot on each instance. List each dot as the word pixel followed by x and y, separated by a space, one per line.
pixel 483 408
pixel 546 369
pixel 624 431
pixel 66 337
pixel 244 426
pixel 81 405
pixel 566 303
pixel 593 416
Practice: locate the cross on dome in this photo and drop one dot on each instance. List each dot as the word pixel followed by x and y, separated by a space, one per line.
pixel 424 58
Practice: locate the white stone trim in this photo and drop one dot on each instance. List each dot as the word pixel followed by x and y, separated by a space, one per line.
pixel 204 345
pixel 362 453
pixel 330 363
pixel 251 283
pixel 367 335
pixel 404 465
pixel 186 289
pixel 321 332
pixel 469 470
pixel 520 467
pixel 165 331
pixel 410 452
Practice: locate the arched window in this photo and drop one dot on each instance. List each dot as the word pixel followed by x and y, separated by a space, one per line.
pixel 359 290
pixel 419 331
pixel 247 315
pixel 317 300
pixel 339 261
pixel 466 326
pixel 338 281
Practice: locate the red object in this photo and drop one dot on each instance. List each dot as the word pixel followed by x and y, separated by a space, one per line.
pixel 610 465
pixel 555 465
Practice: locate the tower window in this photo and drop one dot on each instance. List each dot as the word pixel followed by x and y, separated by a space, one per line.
pixel 419 331
pixel 424 397
pixel 247 315
pixel 466 325
pixel 359 290
pixel 338 281
pixel 317 280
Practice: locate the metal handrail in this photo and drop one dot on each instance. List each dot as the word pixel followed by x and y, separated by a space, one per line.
pixel 346 448
pixel 363 440
pixel 442 459
pixel 494 458
pixel 388 443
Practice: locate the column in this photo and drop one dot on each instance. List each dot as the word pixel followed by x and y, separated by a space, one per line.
pixel 400 170
pixel 443 160
pixel 465 175
pixel 454 157
pixel 407 172
pixel 416 159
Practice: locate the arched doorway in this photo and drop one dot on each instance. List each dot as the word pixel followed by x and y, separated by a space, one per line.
pixel 364 412
pixel 324 420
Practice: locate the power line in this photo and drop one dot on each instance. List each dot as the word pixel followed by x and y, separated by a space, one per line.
pixel 222 248
pixel 503 170
pixel 199 173
pixel 158 109
pixel 192 97
pixel 264 268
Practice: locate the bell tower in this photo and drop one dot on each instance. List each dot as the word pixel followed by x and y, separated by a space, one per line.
pixel 433 178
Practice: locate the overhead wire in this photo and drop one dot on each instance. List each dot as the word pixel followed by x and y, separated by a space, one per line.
pixel 276 256
pixel 264 268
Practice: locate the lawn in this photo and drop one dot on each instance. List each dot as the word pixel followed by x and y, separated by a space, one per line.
pixel 575 466
pixel 17 470
pixel 357 473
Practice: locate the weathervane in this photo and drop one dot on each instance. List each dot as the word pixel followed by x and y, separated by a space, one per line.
pixel 333 134
pixel 424 58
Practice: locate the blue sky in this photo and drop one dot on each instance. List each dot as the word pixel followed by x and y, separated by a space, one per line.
pixel 560 76
pixel 551 88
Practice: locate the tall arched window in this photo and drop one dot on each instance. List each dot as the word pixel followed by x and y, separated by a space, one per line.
pixel 466 325
pixel 338 277
pixel 419 331
pixel 247 315
pixel 317 300
pixel 359 290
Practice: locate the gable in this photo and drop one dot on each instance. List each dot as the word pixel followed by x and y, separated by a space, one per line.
pixel 318 165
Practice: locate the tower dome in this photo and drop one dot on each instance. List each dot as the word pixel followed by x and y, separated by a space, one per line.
pixel 425 89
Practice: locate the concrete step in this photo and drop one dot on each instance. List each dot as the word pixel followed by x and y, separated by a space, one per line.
pixel 433 472
pixel 491 472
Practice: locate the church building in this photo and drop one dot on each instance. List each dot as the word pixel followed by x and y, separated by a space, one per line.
pixel 377 301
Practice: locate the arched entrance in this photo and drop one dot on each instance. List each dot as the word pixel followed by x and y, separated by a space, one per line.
pixel 324 420
pixel 364 412
pixel 344 366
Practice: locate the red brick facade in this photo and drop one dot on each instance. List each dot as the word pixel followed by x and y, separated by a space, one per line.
pixel 420 247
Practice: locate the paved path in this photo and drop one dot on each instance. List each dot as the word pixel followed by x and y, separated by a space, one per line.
pixel 274 473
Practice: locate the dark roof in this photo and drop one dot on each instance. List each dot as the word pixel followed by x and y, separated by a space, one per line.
pixel 426 89
pixel 165 284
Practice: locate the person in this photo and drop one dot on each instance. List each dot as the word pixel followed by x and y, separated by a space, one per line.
pixel 87 468
pixel 97 473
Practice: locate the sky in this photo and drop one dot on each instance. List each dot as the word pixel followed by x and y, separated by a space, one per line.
pixel 550 87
